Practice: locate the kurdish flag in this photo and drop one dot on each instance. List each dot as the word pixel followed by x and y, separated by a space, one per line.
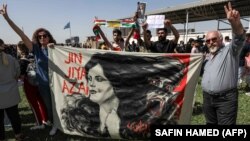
pixel 125 23
pixel 100 22
pixel 114 24
pixel 96 32
pixel 128 23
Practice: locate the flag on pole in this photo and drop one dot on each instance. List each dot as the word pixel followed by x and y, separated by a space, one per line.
pixel 67 25
pixel 100 22
pixel 128 23
pixel 114 24
pixel 124 23
pixel 96 32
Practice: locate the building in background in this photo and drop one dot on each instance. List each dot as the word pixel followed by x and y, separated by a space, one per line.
pixel 72 40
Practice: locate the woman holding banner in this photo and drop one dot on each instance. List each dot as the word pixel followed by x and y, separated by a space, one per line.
pixel 38 46
pixel 132 93
pixel 30 87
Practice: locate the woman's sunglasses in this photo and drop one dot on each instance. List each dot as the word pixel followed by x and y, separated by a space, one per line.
pixel 42 36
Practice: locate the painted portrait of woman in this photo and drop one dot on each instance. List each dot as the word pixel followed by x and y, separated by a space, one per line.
pixel 130 93
pixel 141 8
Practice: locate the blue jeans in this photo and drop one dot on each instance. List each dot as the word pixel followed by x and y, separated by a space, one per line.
pixel 221 109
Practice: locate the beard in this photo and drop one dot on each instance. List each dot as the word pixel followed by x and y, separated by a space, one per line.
pixel 213 49
pixel 161 38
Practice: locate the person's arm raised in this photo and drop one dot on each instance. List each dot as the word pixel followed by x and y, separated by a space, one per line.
pixel 233 17
pixel 146 39
pixel 104 37
pixel 129 36
pixel 25 39
pixel 131 31
pixel 168 24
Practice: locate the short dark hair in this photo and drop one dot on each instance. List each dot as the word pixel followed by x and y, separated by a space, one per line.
pixel 164 29
pixel 148 31
pixel 1 42
pixel 191 40
pixel 117 31
pixel 23 47
pixel 227 38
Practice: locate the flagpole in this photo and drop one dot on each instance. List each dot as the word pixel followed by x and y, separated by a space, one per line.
pixel 70 35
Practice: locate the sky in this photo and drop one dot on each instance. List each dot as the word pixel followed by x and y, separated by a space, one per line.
pixel 53 15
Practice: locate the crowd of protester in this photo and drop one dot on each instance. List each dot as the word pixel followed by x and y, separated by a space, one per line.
pixel 212 47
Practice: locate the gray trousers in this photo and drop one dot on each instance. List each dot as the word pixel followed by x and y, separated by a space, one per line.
pixel 221 108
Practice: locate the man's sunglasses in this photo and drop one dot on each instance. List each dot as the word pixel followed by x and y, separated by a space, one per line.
pixel 213 40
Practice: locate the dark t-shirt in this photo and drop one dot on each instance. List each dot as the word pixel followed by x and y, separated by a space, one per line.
pixel 24 62
pixel 243 53
pixel 188 48
pixel 166 46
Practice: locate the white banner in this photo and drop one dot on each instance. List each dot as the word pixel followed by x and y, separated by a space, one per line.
pixel 155 21
pixel 106 94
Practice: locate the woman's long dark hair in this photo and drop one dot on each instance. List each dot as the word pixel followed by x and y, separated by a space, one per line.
pixel 81 115
pixel 35 36
pixel 131 78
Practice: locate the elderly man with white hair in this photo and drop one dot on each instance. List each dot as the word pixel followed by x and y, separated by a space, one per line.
pixel 219 82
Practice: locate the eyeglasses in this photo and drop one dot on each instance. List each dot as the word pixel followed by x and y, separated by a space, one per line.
pixel 44 36
pixel 213 40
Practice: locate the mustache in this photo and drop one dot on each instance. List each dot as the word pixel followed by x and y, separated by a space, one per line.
pixel 213 45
